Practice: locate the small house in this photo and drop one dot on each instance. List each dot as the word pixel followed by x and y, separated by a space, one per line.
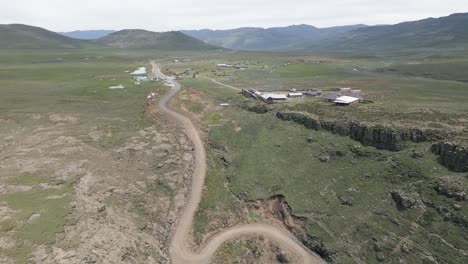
pixel 295 95
pixel 272 98
pixel 140 78
pixel 346 100
pixel 312 92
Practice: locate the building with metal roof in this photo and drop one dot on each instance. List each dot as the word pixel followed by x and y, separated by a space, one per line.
pixel 346 100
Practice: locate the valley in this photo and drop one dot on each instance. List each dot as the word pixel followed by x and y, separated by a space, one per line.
pixel 174 163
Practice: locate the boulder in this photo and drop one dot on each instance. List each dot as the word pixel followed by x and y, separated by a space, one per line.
pixel 405 200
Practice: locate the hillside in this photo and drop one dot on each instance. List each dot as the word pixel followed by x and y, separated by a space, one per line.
pixel 142 39
pixel 448 32
pixel 278 38
pixel 17 36
pixel 87 34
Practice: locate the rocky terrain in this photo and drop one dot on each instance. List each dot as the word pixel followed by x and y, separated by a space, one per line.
pixel 119 202
pixel 451 155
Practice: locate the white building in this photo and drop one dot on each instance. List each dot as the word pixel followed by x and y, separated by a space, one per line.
pixel 273 97
pixel 346 100
pixel 295 95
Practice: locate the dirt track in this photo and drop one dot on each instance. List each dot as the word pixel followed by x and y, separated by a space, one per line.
pixel 180 250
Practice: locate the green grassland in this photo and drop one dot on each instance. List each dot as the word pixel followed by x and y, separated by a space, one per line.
pixel 267 156
pixel 254 156
pixel 453 69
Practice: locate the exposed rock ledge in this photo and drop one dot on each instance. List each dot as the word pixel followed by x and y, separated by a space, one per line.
pixel 452 156
pixel 380 137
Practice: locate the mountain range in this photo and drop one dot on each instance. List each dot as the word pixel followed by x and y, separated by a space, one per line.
pixel 17 36
pixel 278 38
pixel 450 32
pixel 445 33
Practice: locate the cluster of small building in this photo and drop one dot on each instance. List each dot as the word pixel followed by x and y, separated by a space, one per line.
pixel 224 65
pixel 343 96
pixel 140 75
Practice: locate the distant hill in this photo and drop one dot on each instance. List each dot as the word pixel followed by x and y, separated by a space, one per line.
pixel 87 34
pixel 277 38
pixel 449 32
pixel 17 36
pixel 142 39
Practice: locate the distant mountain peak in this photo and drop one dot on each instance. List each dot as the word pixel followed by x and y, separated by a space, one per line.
pixel 144 39
pixel 293 37
pixel 20 36
pixel 87 34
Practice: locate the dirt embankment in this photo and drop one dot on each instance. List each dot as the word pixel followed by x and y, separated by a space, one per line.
pixel 276 207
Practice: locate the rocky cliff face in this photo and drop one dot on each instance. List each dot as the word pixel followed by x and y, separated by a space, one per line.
pixel 452 156
pixel 378 136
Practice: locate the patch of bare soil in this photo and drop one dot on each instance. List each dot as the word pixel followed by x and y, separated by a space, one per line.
pixel 194 96
pixel 277 208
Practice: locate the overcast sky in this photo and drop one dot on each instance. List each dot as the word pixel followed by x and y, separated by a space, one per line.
pixel 157 15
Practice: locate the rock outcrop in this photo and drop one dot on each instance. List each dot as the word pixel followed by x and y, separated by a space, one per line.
pixel 405 200
pixel 452 187
pixel 378 136
pixel 452 156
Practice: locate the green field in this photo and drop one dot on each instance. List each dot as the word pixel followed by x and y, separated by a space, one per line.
pixel 260 156
pixel 50 98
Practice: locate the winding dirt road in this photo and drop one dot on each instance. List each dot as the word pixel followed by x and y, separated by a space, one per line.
pixel 180 249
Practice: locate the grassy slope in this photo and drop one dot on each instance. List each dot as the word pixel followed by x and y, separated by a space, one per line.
pixel 268 157
pixel 142 39
pixel 18 36
pixel 432 34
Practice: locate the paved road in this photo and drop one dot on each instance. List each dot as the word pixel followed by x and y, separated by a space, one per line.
pixel 180 250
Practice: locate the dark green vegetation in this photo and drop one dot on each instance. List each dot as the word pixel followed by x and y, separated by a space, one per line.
pixel 362 204
pixel 142 39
